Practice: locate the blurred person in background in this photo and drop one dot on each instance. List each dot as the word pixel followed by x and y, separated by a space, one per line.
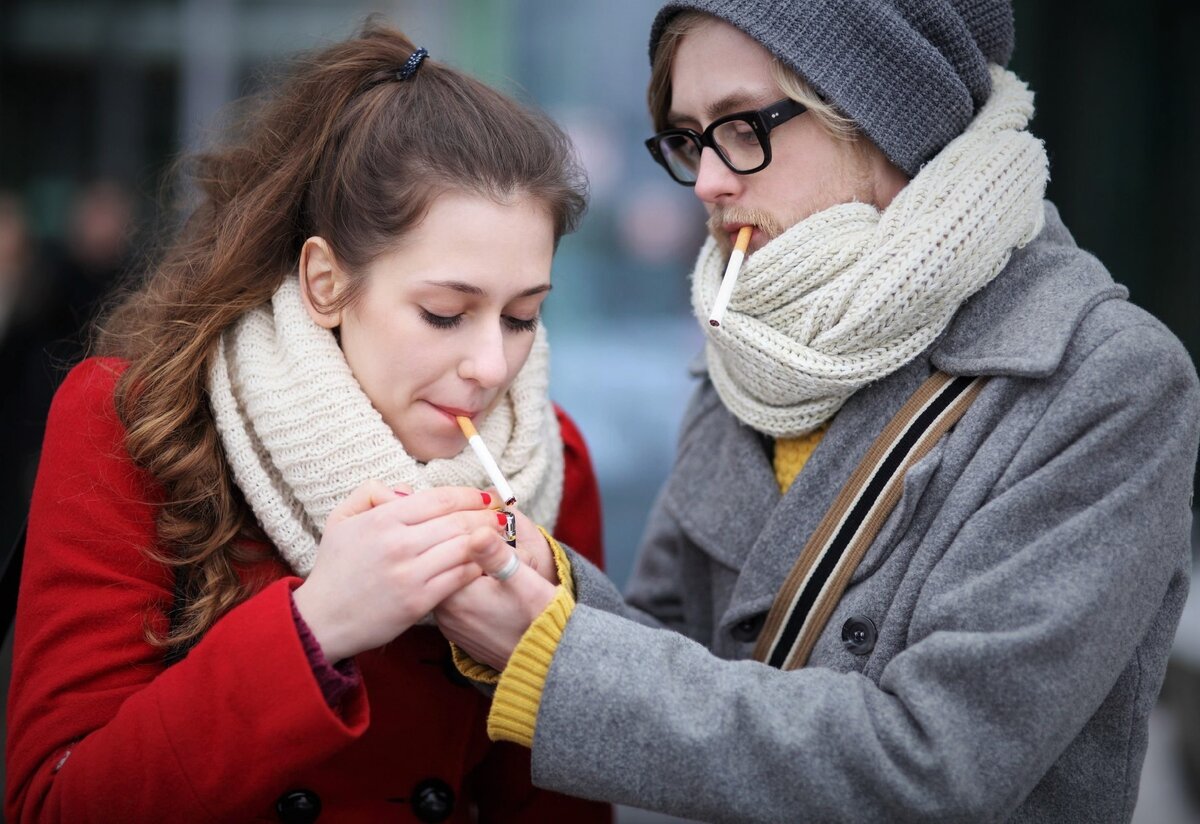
pixel 250 500
pixel 95 256
pixel 23 302
pixel 48 296
pixel 926 540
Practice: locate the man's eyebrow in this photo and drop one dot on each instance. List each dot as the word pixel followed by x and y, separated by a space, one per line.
pixel 472 289
pixel 736 101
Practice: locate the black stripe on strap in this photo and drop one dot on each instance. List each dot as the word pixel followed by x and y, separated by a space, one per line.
pixel 837 547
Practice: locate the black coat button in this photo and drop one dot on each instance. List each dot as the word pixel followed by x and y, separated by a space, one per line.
pixel 432 800
pixel 858 634
pixel 298 807
pixel 747 629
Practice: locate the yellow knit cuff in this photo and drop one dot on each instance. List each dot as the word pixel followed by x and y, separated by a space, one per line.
pixel 519 694
pixel 471 668
pixel 562 564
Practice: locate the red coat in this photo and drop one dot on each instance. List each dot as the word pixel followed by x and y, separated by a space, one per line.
pixel 100 730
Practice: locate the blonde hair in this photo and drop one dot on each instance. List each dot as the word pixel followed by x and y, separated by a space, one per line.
pixel 791 84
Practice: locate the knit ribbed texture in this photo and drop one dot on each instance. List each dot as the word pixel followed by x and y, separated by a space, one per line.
pixel 335 680
pixel 910 73
pixel 850 294
pixel 519 693
pixel 562 564
pixel 484 674
pixel 791 454
pixel 300 434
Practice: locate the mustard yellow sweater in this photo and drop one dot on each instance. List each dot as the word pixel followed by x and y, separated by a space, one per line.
pixel 519 687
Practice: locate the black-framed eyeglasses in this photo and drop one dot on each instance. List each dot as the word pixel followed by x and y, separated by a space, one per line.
pixel 742 141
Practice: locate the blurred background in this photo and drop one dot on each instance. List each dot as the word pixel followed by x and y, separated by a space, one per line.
pixel 97 97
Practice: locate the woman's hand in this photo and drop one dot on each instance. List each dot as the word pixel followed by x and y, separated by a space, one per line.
pixel 488 617
pixel 387 558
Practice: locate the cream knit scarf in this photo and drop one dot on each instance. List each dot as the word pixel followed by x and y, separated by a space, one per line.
pixel 850 294
pixel 300 434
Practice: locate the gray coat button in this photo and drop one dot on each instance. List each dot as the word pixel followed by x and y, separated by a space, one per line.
pixel 747 629
pixel 858 634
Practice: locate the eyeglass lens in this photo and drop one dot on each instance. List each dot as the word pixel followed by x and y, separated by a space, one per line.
pixel 736 141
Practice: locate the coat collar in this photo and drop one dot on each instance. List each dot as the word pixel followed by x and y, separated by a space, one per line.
pixel 1021 322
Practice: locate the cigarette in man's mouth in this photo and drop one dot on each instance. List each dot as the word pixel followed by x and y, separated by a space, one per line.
pixel 731 275
pixel 485 458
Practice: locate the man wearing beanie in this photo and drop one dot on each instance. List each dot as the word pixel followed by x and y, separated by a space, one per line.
pixel 926 540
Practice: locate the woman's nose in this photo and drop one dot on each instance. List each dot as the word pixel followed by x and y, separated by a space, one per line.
pixel 485 363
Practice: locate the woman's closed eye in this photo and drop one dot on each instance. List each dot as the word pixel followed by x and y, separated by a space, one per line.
pixel 511 322
pixel 521 324
pixel 441 321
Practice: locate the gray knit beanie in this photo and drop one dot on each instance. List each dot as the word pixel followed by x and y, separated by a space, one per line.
pixel 910 73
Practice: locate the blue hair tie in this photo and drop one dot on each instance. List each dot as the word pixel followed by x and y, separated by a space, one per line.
pixel 412 64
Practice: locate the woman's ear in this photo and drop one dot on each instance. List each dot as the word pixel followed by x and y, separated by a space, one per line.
pixel 321 282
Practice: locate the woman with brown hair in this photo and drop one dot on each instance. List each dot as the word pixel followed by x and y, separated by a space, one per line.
pixel 249 504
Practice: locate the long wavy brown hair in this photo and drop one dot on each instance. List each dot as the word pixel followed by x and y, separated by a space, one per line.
pixel 342 149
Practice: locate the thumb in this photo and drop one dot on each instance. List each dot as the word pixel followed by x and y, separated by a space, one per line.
pixel 497 559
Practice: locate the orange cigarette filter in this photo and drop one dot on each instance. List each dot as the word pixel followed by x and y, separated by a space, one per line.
pixel 743 239
pixel 468 428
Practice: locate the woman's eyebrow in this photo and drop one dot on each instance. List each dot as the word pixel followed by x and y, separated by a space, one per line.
pixel 472 289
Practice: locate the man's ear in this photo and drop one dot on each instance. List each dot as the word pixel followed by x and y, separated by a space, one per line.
pixel 322 280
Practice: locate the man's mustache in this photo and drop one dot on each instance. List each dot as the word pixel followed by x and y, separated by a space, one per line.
pixel 723 216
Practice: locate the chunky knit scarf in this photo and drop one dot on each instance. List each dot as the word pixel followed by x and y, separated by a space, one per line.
pixel 851 294
pixel 300 434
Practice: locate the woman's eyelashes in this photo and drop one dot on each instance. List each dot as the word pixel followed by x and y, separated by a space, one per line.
pixel 521 324
pixel 513 324
pixel 440 321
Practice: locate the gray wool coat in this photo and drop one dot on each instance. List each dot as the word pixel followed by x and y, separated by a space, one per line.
pixel 1025 590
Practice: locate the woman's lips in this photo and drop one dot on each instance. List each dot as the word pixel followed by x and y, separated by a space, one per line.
pixel 453 412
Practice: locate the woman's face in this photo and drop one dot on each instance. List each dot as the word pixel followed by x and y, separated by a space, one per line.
pixel 446 319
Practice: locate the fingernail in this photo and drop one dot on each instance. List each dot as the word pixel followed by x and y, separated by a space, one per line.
pixel 400 494
pixel 501 519
pixel 487 499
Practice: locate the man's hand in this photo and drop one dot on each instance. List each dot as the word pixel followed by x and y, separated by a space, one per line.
pixel 488 617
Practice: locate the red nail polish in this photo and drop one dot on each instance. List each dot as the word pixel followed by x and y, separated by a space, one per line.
pixel 501 519
pixel 487 499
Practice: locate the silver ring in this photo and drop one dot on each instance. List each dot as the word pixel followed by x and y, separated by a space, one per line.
pixel 509 569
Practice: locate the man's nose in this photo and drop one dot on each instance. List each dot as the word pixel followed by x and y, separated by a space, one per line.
pixel 715 182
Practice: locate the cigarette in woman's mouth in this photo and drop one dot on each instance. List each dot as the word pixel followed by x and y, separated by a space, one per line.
pixel 485 458
pixel 731 275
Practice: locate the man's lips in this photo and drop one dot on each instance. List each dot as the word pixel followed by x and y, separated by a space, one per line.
pixel 731 230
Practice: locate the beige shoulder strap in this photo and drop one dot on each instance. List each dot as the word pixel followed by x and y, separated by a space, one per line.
pixel 820 575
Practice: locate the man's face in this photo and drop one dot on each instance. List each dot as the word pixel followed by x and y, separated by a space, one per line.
pixel 719 70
